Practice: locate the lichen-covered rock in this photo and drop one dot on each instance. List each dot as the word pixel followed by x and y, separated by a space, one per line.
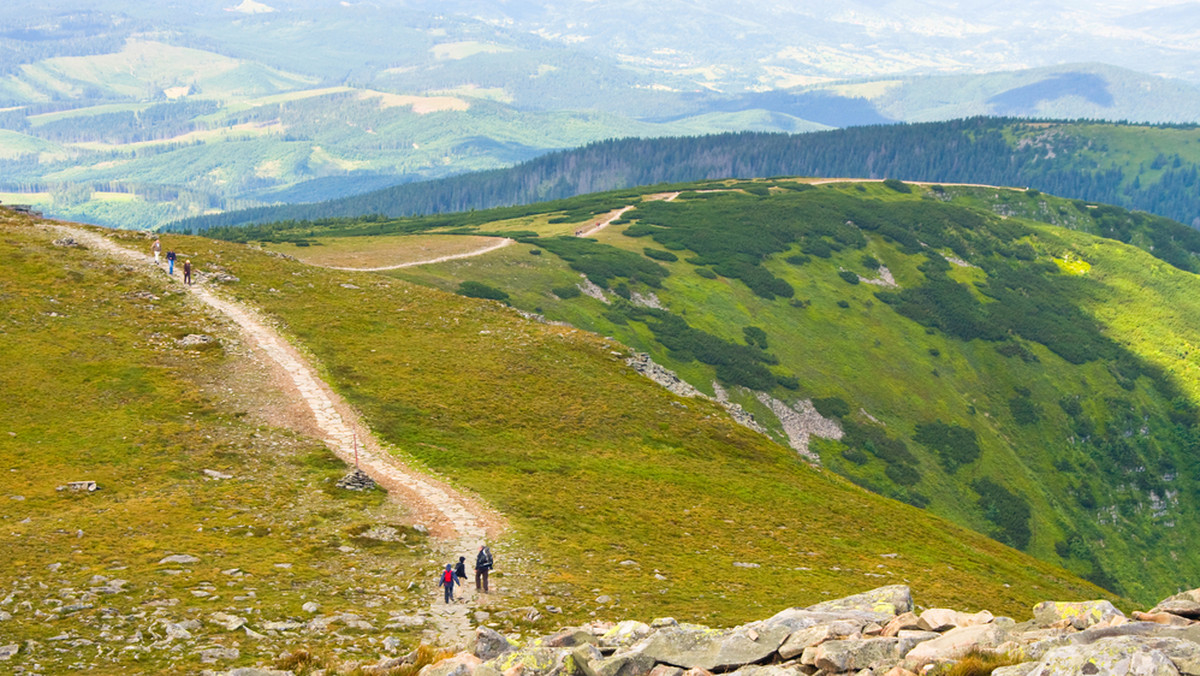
pixel 854 654
pixel 531 661
pixel 1080 614
pixel 885 602
pixel 690 646
pixel 625 634
pixel 567 638
pixel 624 664
pixel 1118 656
pixel 490 644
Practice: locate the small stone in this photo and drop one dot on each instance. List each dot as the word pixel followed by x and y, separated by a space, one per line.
pixel 7 652
pixel 310 607
pixel 212 655
pixel 179 558
pixel 214 474
pixel 628 562
pixel 226 621
pixel 604 598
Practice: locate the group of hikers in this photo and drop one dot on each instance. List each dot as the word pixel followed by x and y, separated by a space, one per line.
pixel 156 249
pixel 454 575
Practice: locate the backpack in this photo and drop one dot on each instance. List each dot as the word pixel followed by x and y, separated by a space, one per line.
pixel 447 577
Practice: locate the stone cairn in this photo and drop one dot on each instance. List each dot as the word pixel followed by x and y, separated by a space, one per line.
pixel 876 633
pixel 356 481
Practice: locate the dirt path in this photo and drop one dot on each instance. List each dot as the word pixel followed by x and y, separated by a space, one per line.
pixel 440 259
pixel 604 224
pixel 461 523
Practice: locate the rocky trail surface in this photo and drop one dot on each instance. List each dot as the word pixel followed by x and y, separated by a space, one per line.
pixel 460 523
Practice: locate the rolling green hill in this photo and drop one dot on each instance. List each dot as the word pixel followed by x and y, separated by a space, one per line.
pixel 1150 168
pixel 1034 382
pixel 591 463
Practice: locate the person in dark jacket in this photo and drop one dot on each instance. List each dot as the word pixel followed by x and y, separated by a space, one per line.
pixel 483 565
pixel 448 580
pixel 171 262
pixel 187 272
pixel 460 569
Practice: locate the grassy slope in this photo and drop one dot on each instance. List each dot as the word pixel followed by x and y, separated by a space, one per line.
pixel 595 465
pixel 1087 514
pixel 101 392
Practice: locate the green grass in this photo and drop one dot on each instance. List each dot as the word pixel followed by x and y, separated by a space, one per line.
pixel 96 389
pixel 593 464
pixel 1069 317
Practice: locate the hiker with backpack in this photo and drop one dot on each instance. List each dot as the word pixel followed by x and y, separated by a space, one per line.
pixel 483 565
pixel 448 581
pixel 460 570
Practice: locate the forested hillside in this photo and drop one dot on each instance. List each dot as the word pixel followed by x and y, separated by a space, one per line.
pixel 1150 168
pixel 998 357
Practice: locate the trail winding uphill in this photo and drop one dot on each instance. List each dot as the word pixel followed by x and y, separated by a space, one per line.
pixel 460 523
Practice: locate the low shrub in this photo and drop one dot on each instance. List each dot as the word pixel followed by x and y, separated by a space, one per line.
pixel 659 254
pixel 472 289
pixel 566 292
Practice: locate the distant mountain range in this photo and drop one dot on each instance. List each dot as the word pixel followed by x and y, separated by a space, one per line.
pixel 136 115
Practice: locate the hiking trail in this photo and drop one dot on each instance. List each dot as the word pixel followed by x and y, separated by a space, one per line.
pixel 459 523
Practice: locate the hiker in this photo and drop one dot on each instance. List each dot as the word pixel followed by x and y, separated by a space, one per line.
pixel 171 262
pixel 155 249
pixel 448 581
pixel 460 569
pixel 187 272
pixel 483 564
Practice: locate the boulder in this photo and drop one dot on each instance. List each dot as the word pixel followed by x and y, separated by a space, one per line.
pixel 854 654
pixel 903 621
pixel 625 634
pixel 954 643
pixel 1117 656
pixel 567 638
pixel 886 602
pixel 1182 607
pixel 796 643
pixel 8 651
pixel 769 670
pixel 666 670
pixel 939 619
pixel 490 644
pixel 581 659
pixel 462 664
pixel 1161 617
pixel 693 646
pixel 530 661
pixel 624 664
pixel 1080 614
pixel 1021 669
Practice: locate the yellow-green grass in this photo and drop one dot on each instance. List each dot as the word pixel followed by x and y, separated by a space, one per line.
pixel 375 252
pixel 97 388
pixel 595 465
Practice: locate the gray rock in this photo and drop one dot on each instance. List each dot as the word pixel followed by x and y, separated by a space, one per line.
pixel 1021 669
pixel 1118 656
pixel 286 625
pixel 490 644
pixel 7 652
pixel 625 633
pixel 795 619
pixel 210 655
pixel 255 671
pixel 310 607
pixel 666 670
pixel 801 639
pixel 628 664
pixel 1181 607
pixel 462 664
pixel 568 638
pixel 214 474
pixel 854 654
pixel 226 621
pixel 692 646
pixel 956 642
pixel 530 661
pixel 769 670
pixel 1080 614
pixel 176 631
pixel 180 559
pixel 886 602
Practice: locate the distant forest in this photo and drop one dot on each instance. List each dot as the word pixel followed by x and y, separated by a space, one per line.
pixel 1066 162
